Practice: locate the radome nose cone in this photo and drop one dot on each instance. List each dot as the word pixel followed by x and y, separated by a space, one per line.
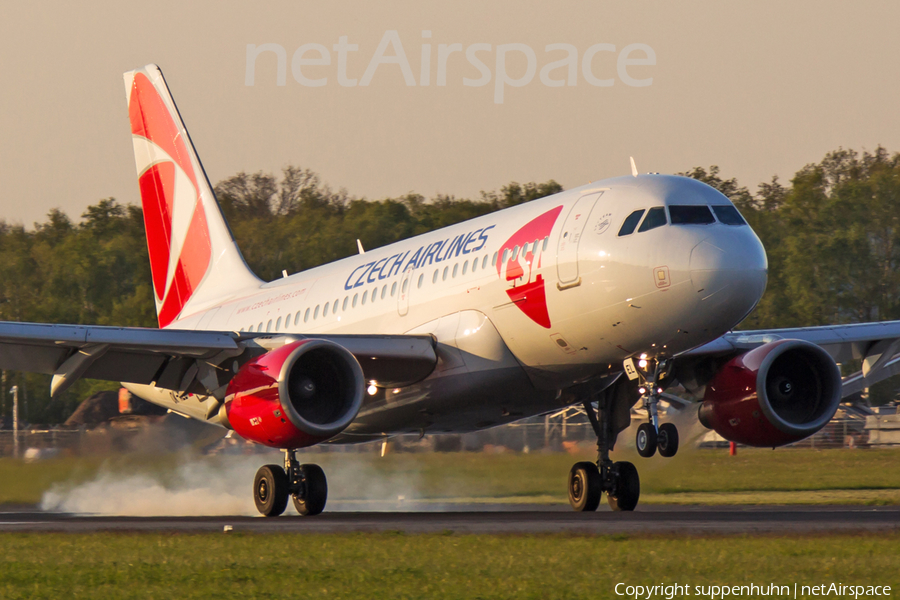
pixel 732 269
pixel 706 263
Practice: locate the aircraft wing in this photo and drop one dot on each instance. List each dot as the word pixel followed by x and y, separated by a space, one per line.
pixel 175 359
pixel 877 345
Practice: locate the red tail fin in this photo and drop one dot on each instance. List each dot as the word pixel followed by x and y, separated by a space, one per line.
pixel 193 258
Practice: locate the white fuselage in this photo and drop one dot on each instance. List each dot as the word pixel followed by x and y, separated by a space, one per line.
pixel 514 331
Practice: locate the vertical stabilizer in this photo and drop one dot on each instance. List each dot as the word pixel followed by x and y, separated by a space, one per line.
pixel 193 257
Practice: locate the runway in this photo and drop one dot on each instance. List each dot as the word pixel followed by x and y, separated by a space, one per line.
pixel 693 520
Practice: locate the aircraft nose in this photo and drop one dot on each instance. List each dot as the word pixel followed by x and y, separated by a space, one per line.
pixel 729 270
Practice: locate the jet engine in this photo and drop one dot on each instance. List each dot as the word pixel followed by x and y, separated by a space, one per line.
pixel 776 394
pixel 296 396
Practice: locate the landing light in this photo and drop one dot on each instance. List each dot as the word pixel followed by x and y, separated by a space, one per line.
pixel 642 364
pixel 372 389
pixel 642 390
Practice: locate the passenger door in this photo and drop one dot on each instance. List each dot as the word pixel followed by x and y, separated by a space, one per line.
pixel 567 248
pixel 404 292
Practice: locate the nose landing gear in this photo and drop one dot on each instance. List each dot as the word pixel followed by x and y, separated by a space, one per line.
pixel 667 440
pixel 652 436
pixel 305 484
pixel 646 440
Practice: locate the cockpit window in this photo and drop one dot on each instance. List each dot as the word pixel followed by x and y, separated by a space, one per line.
pixel 690 215
pixel 631 222
pixel 656 217
pixel 728 215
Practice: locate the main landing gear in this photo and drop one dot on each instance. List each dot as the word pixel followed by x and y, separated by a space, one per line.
pixel 305 484
pixel 652 436
pixel 588 481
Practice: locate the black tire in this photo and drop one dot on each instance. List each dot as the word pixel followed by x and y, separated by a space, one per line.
pixel 626 487
pixel 311 500
pixel 667 440
pixel 645 440
pixel 270 490
pixel 585 487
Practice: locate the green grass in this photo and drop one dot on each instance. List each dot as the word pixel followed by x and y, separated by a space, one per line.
pixel 24 483
pixel 398 566
pixel 783 476
pixel 752 477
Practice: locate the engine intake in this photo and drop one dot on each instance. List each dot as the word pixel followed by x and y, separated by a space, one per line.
pixel 776 394
pixel 295 396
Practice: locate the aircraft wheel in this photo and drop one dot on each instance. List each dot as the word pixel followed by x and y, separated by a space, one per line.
pixel 667 441
pixel 626 487
pixel 270 490
pixel 646 440
pixel 585 487
pixel 311 500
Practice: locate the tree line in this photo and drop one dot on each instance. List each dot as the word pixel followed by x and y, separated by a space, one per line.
pixel 832 236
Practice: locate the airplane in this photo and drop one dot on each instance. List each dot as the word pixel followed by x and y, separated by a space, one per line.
pixel 602 296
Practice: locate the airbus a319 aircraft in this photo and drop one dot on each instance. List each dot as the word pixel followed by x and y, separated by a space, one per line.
pixel 601 296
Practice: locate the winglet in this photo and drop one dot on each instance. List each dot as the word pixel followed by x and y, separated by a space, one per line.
pixel 359 245
pixel 634 172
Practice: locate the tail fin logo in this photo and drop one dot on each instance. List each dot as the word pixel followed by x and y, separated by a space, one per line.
pixel 520 262
pixel 176 224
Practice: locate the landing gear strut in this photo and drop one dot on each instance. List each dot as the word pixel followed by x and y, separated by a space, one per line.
pixel 588 481
pixel 305 484
pixel 652 436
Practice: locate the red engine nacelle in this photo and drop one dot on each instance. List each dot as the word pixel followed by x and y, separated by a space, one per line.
pixel 773 395
pixel 296 396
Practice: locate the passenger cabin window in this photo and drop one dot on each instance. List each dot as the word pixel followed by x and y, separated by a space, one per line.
pixel 631 222
pixel 306 316
pixel 421 280
pixel 691 215
pixel 728 215
pixel 278 324
pixel 656 217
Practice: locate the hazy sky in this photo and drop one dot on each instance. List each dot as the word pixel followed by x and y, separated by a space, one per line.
pixel 759 88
